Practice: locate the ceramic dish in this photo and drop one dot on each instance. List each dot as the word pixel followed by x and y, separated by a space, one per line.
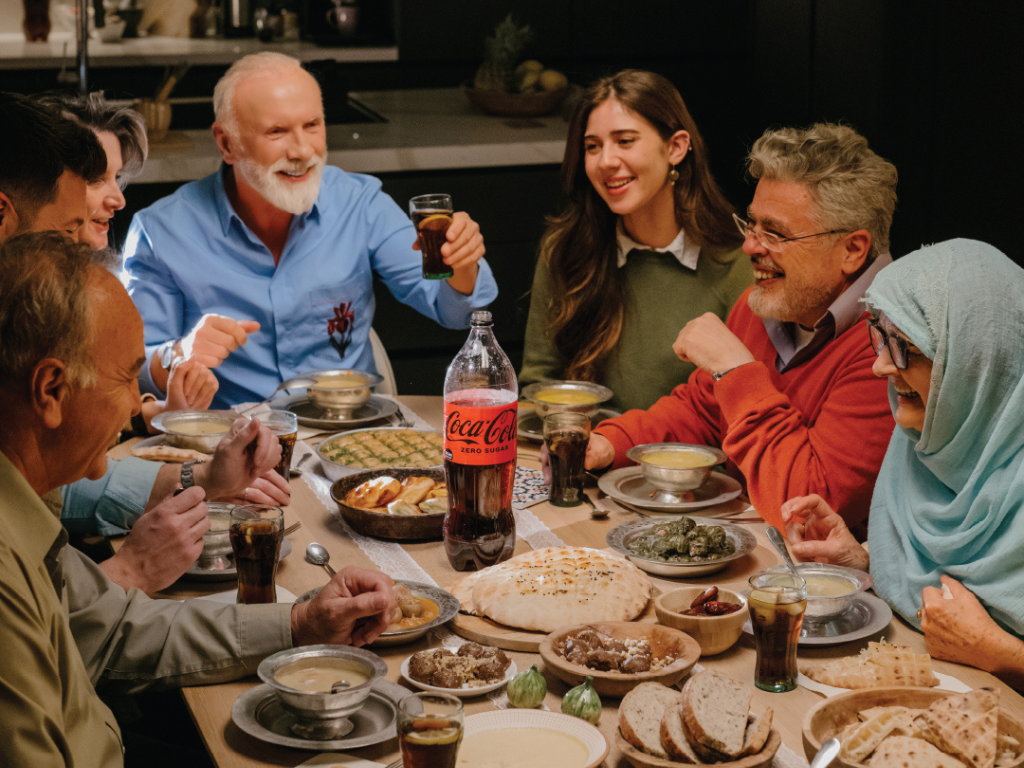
pixel 629 485
pixel 385 526
pixel 462 693
pixel 619 537
pixel 197 573
pixel 664 641
pixel 505 722
pixel 447 604
pixel 531 426
pixel 259 713
pixel 374 409
pixel 639 759
pixel 867 616
pixel 829 717
pixel 336 469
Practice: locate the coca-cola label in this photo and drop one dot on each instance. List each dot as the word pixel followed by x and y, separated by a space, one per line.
pixel 480 434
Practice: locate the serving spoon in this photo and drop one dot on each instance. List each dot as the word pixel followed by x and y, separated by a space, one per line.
pixel 775 537
pixel 826 754
pixel 317 555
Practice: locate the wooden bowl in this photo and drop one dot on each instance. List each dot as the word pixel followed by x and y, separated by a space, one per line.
pixel 664 641
pixel 506 104
pixel 714 634
pixel 639 759
pixel 830 716
pixel 382 526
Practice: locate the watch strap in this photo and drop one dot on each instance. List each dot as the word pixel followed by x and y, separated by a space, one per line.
pixel 718 376
pixel 187 479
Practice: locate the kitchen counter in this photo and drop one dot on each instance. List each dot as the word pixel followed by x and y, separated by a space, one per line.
pixel 428 129
pixel 59 50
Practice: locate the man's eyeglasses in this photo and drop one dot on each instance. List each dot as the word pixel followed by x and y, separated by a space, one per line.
pixel 773 241
pixel 897 345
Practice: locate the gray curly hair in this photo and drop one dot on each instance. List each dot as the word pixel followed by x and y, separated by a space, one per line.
pixel 852 187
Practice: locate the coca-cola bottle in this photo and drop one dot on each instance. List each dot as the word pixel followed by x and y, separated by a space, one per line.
pixel 480 405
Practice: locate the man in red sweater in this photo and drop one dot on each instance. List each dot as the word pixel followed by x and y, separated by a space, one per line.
pixel 785 386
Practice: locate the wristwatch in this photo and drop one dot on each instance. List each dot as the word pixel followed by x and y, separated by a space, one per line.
pixel 187 480
pixel 720 374
pixel 166 352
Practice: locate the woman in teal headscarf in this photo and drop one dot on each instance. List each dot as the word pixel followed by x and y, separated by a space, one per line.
pixel 948 327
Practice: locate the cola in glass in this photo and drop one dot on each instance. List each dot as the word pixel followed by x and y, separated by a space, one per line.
pixel 480 408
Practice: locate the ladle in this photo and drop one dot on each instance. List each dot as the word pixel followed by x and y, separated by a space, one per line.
pixel 775 537
pixel 317 555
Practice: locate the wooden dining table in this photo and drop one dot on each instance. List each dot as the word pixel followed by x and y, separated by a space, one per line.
pixel 230 747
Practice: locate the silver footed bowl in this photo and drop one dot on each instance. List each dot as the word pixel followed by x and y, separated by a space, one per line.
pixel 590 397
pixel 673 482
pixel 823 578
pixel 322 715
pixel 341 392
pixel 194 430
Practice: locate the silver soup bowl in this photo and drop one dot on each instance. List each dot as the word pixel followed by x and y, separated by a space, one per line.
pixel 675 481
pixel 596 396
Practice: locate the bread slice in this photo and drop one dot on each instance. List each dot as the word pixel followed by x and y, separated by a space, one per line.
pixel 640 715
pixel 714 710
pixel 757 733
pixel 907 752
pixel 673 738
pixel 964 725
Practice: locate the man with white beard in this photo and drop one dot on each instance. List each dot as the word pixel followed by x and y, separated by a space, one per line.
pixel 785 387
pixel 265 268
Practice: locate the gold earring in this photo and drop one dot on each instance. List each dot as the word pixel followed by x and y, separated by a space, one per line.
pixel 673 175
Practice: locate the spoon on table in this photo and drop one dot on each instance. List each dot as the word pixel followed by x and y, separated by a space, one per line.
pixel 775 537
pixel 317 555
pixel 826 754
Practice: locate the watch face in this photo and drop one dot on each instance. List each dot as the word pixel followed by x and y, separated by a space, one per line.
pixel 167 356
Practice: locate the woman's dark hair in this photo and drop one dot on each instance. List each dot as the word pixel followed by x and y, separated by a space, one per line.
pixel 589 306
pixel 95 112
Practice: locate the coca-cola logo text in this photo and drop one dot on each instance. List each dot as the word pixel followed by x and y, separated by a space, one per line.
pixel 499 430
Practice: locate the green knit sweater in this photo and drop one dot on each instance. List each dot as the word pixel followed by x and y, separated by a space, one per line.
pixel 663 297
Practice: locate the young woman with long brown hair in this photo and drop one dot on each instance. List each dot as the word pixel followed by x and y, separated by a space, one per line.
pixel 646 243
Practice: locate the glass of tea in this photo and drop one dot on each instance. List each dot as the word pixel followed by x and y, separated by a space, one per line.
pixel 256 531
pixel 566 435
pixel 430 730
pixel 777 603
pixel 432 215
pixel 285 425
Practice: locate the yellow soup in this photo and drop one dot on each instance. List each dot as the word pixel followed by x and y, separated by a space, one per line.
pixel 199 427
pixel 678 459
pixel 340 381
pixel 317 675
pixel 566 397
pixel 522 748
pixel 828 586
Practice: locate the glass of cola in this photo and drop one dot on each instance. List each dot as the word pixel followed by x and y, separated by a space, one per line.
pixel 566 435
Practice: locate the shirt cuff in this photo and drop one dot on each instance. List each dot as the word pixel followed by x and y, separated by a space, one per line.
pixel 455 309
pixel 146 383
pixel 111 505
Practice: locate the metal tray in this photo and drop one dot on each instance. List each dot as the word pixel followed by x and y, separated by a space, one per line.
pixel 629 485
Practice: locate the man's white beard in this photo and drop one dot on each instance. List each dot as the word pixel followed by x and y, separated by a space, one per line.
pixel 295 198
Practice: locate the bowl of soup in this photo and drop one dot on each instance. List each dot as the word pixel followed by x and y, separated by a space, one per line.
pixel 322 685
pixel 675 468
pixel 216 554
pixel 559 396
pixel 830 588
pixel 340 393
pixel 195 430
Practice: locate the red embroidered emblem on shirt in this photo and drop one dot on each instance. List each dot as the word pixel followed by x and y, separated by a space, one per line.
pixel 339 327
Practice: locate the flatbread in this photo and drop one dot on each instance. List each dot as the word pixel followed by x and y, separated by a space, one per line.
pixel 168 453
pixel 463 591
pixel 906 752
pixel 558 586
pixel 964 725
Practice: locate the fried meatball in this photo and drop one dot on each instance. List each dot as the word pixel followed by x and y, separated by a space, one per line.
pixel 604 661
pixel 423 664
pixel 638 663
pixel 475 650
pixel 589 638
pixel 447 678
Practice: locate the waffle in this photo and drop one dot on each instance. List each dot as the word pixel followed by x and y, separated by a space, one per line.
pixel 879 665
pixel 964 726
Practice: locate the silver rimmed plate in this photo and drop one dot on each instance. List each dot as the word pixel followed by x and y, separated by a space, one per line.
pixel 462 693
pixel 620 537
pixel 195 573
pixel 311 416
pixel 629 485
pixel 259 713
pixel 866 616
pixel 447 605
pixel 531 426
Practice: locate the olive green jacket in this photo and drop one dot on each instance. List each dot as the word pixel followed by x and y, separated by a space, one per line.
pixel 65 628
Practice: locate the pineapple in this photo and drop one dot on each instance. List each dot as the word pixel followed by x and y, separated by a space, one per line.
pixel 501 53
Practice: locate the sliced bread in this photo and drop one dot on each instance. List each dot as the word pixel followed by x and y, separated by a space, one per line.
pixel 673 738
pixel 714 712
pixel 640 716
pixel 757 733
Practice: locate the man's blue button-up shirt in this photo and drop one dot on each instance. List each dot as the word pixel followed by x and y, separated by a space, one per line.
pixel 190 254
